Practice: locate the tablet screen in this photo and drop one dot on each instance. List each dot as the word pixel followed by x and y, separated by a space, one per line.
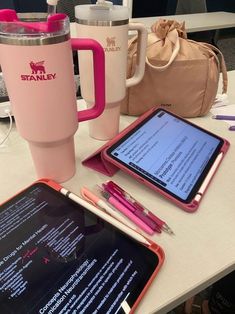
pixel 169 152
pixel 57 257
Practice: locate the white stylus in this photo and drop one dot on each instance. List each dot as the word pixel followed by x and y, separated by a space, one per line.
pixel 135 235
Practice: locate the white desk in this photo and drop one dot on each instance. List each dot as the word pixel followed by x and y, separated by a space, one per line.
pixel 195 22
pixel 203 249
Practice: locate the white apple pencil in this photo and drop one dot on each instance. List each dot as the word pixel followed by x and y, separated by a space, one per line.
pixel 129 231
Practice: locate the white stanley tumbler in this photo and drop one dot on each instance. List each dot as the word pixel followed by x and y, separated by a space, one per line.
pixel 108 24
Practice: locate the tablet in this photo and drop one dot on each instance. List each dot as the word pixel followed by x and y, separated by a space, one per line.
pixel 58 257
pixel 170 155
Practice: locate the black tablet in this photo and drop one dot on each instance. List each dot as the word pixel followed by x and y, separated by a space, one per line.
pixel 170 154
pixel 57 257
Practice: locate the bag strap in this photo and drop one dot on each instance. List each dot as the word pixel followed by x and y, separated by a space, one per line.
pixel 132 46
pixel 132 43
pixel 174 38
pixel 221 63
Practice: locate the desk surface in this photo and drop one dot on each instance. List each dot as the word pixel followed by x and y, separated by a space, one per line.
pixel 195 22
pixel 203 248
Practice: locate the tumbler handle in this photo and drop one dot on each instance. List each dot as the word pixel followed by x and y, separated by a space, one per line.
pixel 99 76
pixel 141 54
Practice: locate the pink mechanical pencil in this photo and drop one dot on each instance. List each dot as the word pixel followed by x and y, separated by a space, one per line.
pixel 119 206
pixel 162 224
pixel 136 211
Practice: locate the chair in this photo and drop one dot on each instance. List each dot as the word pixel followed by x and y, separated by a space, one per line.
pixel 225 5
pixel 24 6
pixel 67 7
pixel 196 6
pixel 148 8
pixel 7 4
pixel 152 7
pixel 191 6
pixel 224 38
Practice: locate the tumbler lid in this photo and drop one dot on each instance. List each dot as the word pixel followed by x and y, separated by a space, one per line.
pixel 101 13
pixel 10 23
pixel 25 31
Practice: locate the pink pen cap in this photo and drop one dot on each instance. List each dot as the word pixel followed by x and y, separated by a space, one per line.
pixel 89 196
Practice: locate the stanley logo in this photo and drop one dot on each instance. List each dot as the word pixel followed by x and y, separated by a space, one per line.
pixel 38 73
pixel 111 45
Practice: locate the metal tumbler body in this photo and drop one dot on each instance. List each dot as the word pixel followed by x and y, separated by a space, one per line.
pixel 114 41
pixel 109 25
pixel 41 89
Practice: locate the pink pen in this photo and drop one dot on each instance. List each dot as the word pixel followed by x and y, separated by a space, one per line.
pixel 119 206
pixel 136 211
pixel 162 224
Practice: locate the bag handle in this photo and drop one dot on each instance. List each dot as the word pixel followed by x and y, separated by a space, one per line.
pixel 132 46
pixel 221 63
pixel 174 38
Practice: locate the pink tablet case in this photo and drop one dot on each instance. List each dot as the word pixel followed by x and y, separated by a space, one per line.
pixel 100 162
pixel 152 247
pixel 97 162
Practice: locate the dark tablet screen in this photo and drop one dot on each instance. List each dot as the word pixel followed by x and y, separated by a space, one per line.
pixel 169 152
pixel 57 257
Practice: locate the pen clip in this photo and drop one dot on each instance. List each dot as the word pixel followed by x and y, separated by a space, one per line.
pixel 130 199
pixel 116 188
pixel 116 194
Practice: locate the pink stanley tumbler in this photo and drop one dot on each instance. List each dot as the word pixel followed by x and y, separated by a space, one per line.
pixel 37 65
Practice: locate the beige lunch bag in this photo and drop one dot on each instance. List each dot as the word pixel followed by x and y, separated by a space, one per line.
pixel 181 75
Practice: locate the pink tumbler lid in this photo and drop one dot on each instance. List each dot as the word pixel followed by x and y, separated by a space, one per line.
pixel 53 23
pixel 55 161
